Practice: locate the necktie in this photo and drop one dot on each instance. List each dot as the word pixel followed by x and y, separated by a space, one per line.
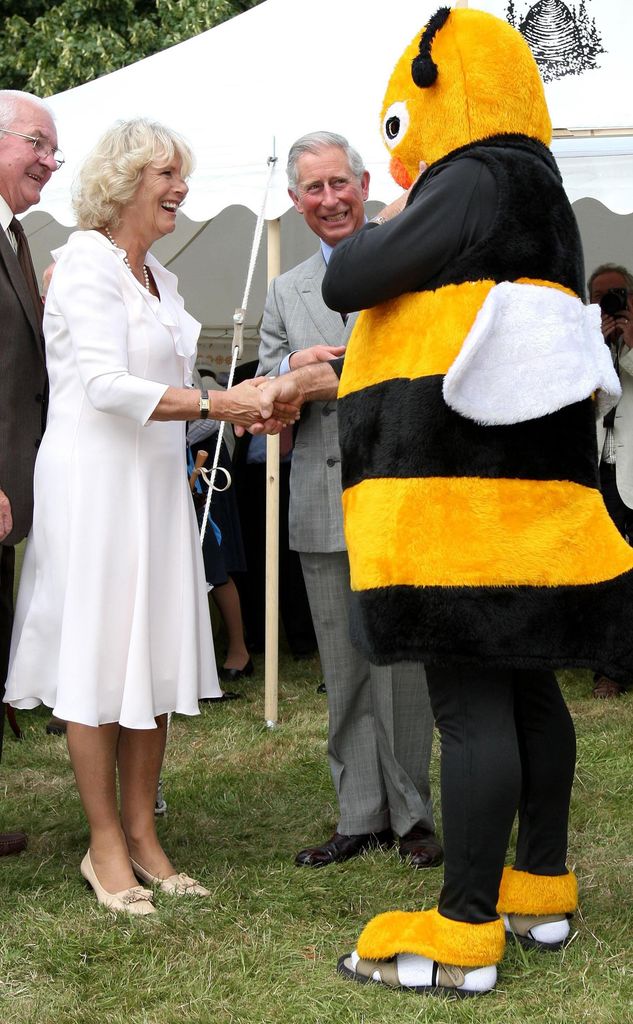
pixel 26 266
pixel 286 441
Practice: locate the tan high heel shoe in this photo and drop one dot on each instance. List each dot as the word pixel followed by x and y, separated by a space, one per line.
pixel 177 885
pixel 135 900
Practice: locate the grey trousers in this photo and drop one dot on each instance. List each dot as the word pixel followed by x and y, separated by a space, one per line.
pixel 380 720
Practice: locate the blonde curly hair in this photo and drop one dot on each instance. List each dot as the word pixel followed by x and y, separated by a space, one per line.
pixel 109 176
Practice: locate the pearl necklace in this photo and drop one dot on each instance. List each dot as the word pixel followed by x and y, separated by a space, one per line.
pixel 127 262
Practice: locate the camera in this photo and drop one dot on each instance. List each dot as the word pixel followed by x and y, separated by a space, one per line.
pixel 613 301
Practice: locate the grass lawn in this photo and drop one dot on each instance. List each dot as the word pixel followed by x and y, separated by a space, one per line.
pixel 242 800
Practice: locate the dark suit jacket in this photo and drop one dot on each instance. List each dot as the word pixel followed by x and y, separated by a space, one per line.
pixel 23 390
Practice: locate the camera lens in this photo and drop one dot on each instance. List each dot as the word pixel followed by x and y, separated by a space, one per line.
pixel 613 301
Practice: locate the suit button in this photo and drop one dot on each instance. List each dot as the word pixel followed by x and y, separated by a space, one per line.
pixel 326 411
pixel 331 462
pixel 38 442
pixel 39 398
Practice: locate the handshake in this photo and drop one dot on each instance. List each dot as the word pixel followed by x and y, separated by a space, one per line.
pixel 265 405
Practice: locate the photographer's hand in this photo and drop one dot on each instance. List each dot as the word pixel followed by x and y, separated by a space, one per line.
pixel 624 324
pixel 618 327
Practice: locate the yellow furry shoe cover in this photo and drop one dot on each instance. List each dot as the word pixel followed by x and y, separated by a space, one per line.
pixel 536 908
pixel 427 933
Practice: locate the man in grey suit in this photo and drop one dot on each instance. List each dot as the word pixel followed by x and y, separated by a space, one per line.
pixel 376 715
pixel 28 157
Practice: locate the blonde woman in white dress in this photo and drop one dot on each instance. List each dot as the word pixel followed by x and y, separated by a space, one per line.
pixel 112 624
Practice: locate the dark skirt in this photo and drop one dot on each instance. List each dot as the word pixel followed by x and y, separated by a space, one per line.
pixel 221 558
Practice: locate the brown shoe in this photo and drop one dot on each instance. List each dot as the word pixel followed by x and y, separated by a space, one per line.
pixel 605 688
pixel 12 842
pixel 421 848
pixel 340 848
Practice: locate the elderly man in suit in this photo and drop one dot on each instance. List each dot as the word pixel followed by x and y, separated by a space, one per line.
pixel 28 157
pixel 376 715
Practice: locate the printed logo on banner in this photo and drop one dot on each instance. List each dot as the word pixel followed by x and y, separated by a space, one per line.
pixel 563 37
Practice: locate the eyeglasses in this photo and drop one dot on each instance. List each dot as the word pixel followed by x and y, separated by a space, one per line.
pixel 41 146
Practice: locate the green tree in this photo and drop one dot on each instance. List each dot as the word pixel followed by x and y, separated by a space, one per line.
pixel 48 47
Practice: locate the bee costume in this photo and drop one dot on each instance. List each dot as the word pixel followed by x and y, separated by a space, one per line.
pixel 478 539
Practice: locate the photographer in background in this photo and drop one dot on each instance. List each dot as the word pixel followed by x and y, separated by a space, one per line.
pixel 611 287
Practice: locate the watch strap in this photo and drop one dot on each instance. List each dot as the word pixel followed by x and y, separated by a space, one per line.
pixel 204 404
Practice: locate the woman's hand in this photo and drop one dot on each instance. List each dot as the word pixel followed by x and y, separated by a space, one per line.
pixel 242 406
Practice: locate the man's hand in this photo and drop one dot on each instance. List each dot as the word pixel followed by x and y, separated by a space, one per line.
pixel 619 326
pixel 6 518
pixel 314 354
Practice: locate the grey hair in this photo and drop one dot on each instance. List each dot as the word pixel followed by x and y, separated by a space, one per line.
pixel 611 268
pixel 109 176
pixel 10 101
pixel 314 142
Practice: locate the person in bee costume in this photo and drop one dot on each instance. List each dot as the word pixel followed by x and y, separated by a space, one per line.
pixel 479 542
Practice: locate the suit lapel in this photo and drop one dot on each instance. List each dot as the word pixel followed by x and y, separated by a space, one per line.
pixel 328 323
pixel 16 277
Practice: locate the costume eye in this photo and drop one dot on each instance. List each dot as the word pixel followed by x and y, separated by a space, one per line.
pixel 395 124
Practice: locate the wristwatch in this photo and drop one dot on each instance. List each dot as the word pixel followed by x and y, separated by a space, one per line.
pixel 379 219
pixel 204 404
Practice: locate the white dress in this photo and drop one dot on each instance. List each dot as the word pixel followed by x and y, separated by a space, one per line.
pixel 112 622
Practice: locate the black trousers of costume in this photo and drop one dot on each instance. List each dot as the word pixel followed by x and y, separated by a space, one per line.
pixel 507 745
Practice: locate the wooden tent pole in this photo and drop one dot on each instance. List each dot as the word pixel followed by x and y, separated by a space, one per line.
pixel 271 669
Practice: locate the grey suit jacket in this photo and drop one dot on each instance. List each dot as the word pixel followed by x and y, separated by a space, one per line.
pixel 296 317
pixel 23 390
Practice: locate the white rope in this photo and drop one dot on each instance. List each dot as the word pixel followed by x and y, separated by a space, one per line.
pixel 239 318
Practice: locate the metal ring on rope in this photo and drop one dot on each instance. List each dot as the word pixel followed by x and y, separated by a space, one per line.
pixel 209 478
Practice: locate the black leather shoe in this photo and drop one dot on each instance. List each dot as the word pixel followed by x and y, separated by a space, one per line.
pixel 420 847
pixel 55 726
pixel 227 695
pixel 321 688
pixel 12 842
pixel 341 847
pixel 229 675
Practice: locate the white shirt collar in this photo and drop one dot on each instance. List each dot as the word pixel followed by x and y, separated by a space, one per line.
pixel 6 214
pixel 327 251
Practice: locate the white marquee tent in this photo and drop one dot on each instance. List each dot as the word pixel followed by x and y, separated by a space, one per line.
pixel 242 92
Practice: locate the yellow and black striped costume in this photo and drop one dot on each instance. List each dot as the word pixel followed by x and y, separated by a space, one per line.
pixel 475 527
pixel 487 544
